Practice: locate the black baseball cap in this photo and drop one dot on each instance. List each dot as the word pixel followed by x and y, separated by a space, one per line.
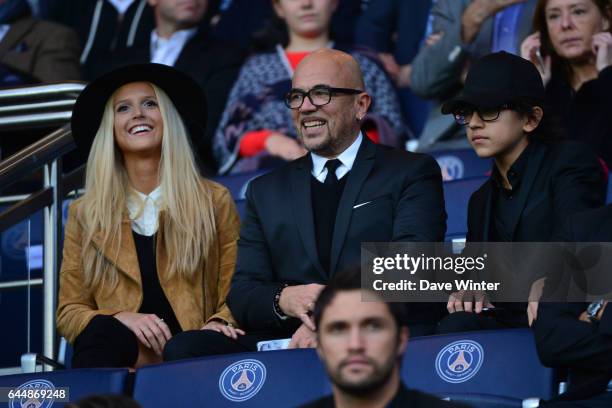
pixel 497 79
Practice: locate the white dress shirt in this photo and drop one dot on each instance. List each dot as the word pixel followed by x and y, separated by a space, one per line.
pixel 144 211
pixel 167 50
pixel 4 28
pixel 347 158
pixel 121 5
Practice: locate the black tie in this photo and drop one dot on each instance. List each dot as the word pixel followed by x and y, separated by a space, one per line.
pixel 326 212
pixel 331 180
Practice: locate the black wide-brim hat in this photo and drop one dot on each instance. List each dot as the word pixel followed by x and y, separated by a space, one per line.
pixel 185 93
pixel 498 79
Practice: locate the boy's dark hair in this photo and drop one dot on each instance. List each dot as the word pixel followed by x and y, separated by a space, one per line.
pixel 550 129
pixel 346 280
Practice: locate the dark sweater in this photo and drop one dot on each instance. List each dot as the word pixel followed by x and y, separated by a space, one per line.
pixel 586 113
pixel 154 300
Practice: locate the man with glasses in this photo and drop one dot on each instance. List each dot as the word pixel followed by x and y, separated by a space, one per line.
pixel 306 220
pixel 536 182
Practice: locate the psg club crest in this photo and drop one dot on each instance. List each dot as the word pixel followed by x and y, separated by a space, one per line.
pixel 242 380
pixel 451 166
pixel 33 394
pixel 459 361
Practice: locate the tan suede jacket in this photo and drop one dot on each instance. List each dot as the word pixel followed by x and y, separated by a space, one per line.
pixel 194 302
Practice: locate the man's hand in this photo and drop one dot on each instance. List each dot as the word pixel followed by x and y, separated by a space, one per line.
pixel 390 65
pixel 226 329
pixel 150 330
pixel 477 12
pixel 403 78
pixel 433 38
pixel 285 147
pixel 400 74
pixel 467 301
pixel 298 301
pixel 303 338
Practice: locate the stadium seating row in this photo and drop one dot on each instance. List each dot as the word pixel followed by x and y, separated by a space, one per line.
pixel 486 368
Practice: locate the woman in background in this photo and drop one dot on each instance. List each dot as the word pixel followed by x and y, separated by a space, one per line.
pixel 572 48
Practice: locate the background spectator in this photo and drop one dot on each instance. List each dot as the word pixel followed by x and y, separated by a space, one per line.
pixel 251 16
pixel 395 29
pixel 467 30
pixel 573 335
pixel 256 130
pixel 572 48
pixel 103 26
pixel 33 51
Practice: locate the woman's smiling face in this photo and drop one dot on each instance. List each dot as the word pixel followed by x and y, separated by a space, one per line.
pixel 138 123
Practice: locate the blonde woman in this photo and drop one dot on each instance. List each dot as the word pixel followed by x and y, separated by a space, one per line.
pixel 150 248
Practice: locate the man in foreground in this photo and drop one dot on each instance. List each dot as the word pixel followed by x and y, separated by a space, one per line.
pixel 361 345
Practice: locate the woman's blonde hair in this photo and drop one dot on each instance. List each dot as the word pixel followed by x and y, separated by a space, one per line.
pixel 188 223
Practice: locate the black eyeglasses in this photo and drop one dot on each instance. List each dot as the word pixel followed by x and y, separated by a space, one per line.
pixel 318 96
pixel 463 116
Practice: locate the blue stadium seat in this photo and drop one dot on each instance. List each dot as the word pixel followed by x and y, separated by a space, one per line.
pixel 241 207
pixel 461 163
pixel 456 196
pixel 496 363
pixel 80 383
pixel 609 196
pixel 283 378
pixel 237 183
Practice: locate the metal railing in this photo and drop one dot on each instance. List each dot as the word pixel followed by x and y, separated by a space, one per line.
pixel 40 105
pixel 48 106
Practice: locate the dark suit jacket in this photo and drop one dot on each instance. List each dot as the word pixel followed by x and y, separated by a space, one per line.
pixel 213 65
pixel 403 192
pixel 560 179
pixel 45 51
pixel 110 32
pixel 385 19
pixel 562 340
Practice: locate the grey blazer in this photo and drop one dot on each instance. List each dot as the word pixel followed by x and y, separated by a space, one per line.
pixel 437 70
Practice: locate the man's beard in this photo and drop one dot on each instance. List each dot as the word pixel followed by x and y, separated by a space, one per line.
pixel 321 147
pixel 373 382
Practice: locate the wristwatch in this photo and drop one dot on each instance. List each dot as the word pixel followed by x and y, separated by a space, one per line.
pixel 593 309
